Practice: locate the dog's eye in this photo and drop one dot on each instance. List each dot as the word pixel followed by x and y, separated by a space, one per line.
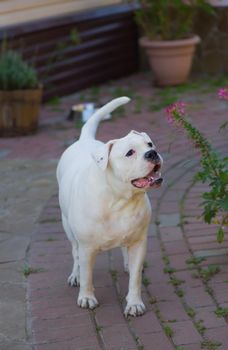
pixel 130 153
pixel 150 144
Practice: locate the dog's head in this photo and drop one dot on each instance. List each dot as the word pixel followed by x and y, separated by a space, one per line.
pixel 132 159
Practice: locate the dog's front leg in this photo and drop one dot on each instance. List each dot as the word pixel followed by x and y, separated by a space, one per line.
pixel 136 255
pixel 86 298
pixel 125 258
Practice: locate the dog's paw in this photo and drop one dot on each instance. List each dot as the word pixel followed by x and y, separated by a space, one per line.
pixel 87 302
pixel 73 280
pixel 134 309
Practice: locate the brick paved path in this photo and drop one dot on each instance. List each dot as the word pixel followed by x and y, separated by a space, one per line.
pixel 185 277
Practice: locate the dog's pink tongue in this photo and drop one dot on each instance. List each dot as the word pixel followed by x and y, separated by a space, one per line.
pixel 143 182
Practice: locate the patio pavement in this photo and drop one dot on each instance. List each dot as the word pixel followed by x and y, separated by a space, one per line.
pixel 181 292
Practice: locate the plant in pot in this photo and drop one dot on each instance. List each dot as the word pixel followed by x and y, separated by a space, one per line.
pixel 168 38
pixel 20 95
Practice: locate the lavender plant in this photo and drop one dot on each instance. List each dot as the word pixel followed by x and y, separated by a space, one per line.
pixel 15 73
pixel 214 169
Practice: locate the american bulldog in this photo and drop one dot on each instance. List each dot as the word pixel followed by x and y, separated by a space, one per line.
pixel 104 203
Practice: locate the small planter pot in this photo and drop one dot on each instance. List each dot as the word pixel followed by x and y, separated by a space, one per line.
pixel 19 112
pixel 170 61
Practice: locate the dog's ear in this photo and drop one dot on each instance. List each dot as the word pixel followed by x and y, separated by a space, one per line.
pixel 145 136
pixel 101 154
pixel 134 132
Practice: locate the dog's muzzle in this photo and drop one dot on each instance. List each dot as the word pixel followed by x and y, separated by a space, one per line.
pixel 153 179
pixel 152 156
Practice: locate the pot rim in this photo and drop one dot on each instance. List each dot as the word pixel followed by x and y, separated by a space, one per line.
pixel 38 88
pixel 193 40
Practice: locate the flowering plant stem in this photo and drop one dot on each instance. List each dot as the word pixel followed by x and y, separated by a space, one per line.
pixel 213 171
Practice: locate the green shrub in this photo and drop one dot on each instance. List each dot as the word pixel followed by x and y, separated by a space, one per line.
pixel 170 20
pixel 15 74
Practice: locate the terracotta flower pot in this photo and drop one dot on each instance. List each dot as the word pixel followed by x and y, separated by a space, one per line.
pixel 170 61
pixel 19 111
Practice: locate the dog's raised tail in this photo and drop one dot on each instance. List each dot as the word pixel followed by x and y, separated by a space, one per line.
pixel 90 127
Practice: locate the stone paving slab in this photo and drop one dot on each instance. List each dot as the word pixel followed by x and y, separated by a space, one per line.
pixel 21 202
pixel 180 304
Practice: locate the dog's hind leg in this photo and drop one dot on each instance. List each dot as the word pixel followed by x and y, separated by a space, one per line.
pixel 74 278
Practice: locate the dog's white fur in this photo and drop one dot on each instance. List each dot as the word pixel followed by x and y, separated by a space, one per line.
pixel 101 209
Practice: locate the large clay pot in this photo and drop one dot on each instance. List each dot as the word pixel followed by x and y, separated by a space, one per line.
pixel 170 61
pixel 19 111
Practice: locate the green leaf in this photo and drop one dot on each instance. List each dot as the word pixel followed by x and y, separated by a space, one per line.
pixel 74 36
pixel 224 177
pixel 223 203
pixel 223 126
pixel 209 213
pixel 220 235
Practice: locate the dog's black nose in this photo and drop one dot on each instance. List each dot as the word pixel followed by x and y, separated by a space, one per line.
pixel 152 155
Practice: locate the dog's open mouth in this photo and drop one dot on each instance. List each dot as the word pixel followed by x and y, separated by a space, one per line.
pixel 153 179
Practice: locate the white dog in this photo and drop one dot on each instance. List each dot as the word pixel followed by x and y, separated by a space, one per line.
pixel 102 195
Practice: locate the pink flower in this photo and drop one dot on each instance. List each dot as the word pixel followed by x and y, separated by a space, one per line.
pixel 223 93
pixel 175 108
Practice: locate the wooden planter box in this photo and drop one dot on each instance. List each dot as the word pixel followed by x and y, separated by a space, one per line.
pixel 19 112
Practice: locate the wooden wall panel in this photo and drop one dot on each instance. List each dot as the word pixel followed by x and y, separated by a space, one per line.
pixel 107 48
pixel 22 11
